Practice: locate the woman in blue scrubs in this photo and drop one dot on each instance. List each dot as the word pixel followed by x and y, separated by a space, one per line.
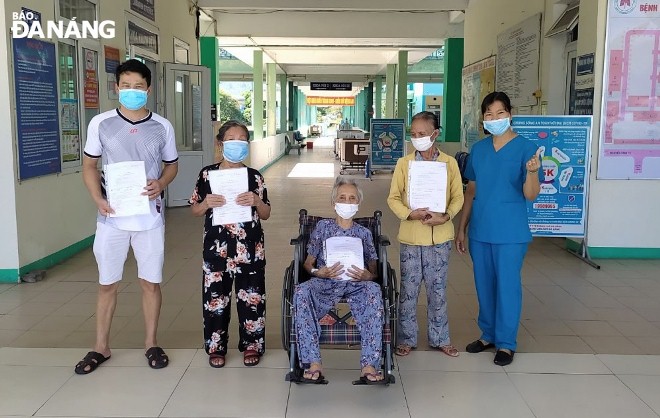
pixel 503 170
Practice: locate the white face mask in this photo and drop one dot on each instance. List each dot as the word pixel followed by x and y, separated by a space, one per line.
pixel 346 210
pixel 422 144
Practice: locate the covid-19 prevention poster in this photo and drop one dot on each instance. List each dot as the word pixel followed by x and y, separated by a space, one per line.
pixel 565 143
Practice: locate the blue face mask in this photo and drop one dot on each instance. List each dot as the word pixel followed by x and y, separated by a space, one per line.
pixel 497 127
pixel 235 151
pixel 133 99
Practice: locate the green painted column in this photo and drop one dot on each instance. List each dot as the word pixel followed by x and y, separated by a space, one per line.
pixel 302 105
pixel 293 102
pixel 356 113
pixel 310 112
pixel 271 100
pixel 390 88
pixel 370 106
pixel 402 87
pixel 379 97
pixel 284 126
pixel 258 94
pixel 208 48
pixel 451 101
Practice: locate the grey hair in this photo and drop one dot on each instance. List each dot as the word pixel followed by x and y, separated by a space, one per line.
pixel 340 181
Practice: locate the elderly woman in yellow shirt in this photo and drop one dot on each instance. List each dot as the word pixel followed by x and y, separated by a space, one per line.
pixel 425 237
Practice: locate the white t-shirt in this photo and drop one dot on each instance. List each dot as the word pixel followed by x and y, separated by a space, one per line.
pixel 114 138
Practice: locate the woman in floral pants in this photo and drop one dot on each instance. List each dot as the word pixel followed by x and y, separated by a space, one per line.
pixel 233 255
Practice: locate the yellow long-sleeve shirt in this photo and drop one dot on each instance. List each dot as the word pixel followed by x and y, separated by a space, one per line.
pixel 415 232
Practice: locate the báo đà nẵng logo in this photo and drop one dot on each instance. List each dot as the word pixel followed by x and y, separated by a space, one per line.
pixel 26 25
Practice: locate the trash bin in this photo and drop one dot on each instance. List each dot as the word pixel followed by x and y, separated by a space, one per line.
pixel 310 144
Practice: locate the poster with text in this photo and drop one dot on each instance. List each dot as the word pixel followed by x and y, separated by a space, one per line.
pixel 478 81
pixel 630 117
pixel 518 57
pixel 565 142
pixel 37 117
pixel 387 142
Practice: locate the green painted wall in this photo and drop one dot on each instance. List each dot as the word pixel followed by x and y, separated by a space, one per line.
pixel 451 102
pixel 13 275
pixel 208 47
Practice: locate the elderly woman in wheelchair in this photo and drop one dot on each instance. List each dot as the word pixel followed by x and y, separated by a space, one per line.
pixel 329 284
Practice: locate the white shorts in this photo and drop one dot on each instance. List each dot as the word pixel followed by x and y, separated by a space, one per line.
pixel 111 249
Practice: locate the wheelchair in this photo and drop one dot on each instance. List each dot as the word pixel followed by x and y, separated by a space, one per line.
pixel 336 328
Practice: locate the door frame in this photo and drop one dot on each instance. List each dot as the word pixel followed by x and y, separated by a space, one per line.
pixel 569 54
pixel 170 69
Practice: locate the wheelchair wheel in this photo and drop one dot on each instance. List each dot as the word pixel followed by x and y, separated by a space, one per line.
pixel 287 302
pixel 394 309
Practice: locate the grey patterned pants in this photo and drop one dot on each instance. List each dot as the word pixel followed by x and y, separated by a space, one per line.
pixel 430 264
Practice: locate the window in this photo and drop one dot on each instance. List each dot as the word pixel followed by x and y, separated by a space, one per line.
pixel 566 22
pixel 71 143
pixel 181 51
pixel 80 9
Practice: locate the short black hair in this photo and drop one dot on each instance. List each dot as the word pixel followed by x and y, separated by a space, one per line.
pixel 133 66
pixel 428 117
pixel 227 126
pixel 496 96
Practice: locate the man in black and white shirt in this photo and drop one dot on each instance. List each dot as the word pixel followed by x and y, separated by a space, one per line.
pixel 129 133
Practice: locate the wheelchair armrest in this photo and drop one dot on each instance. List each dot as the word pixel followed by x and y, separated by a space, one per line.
pixel 297 240
pixel 383 240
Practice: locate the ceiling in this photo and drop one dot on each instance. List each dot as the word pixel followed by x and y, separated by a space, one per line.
pixel 332 40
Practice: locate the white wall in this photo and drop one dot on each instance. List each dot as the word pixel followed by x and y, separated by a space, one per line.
pixel 48 209
pixel 622 214
pixel 8 227
pixel 265 151
pixel 54 212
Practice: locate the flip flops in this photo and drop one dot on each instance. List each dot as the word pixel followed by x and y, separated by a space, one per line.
pixel 320 379
pixel 215 364
pixel 156 358
pixel 403 350
pixel 92 360
pixel 251 358
pixel 364 379
pixel 449 350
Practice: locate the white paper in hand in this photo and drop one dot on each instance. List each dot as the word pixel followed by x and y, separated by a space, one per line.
pixel 124 185
pixel 427 185
pixel 345 250
pixel 230 183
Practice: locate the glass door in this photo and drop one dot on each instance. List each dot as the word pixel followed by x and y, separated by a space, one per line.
pixel 188 108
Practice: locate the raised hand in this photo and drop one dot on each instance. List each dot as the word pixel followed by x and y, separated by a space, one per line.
pixel 534 163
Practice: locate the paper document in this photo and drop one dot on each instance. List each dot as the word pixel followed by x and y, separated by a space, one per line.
pixel 427 185
pixel 345 250
pixel 124 185
pixel 230 183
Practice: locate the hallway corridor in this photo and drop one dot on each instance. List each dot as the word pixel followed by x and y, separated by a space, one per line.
pixel 589 341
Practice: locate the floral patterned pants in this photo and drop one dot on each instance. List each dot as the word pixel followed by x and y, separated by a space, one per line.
pixel 250 305
pixel 315 297
pixel 430 264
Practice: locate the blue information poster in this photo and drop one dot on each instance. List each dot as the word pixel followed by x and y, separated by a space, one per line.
pixel 37 118
pixel 565 142
pixel 387 142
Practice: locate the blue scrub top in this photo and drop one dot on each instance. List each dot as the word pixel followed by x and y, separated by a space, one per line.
pixel 499 209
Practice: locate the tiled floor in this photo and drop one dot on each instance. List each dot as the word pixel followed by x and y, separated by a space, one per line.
pixel 589 341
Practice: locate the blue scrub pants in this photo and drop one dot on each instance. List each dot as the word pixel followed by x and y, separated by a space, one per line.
pixel 499 290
